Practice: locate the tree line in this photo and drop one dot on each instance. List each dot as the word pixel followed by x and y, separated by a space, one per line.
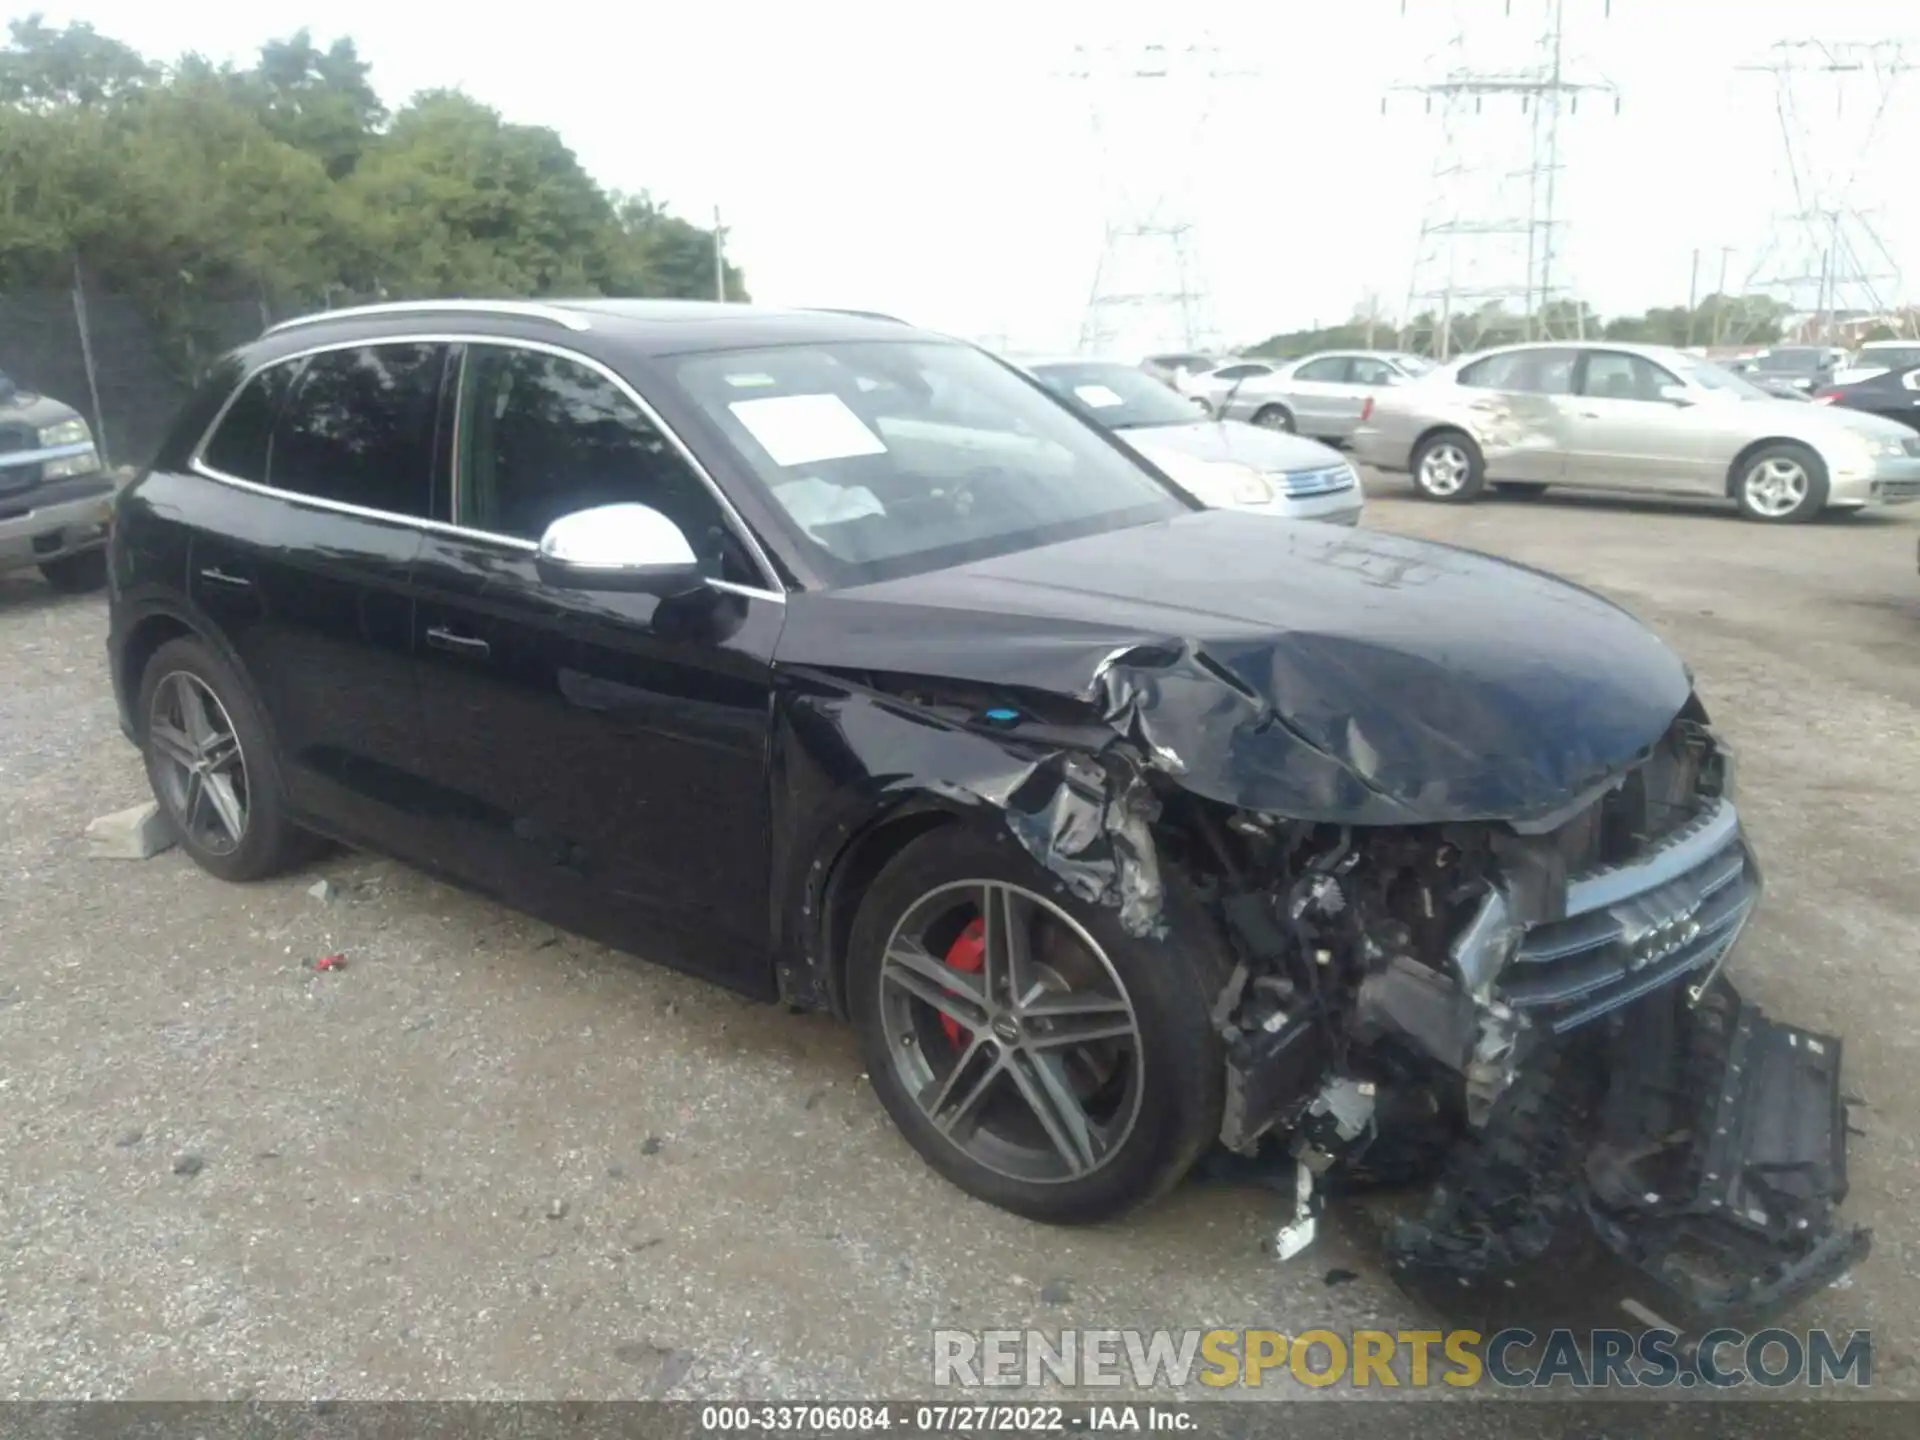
pixel 1715 320
pixel 289 182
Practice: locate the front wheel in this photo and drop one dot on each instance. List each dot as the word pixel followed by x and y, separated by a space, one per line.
pixel 1448 467
pixel 1032 1051
pixel 1783 484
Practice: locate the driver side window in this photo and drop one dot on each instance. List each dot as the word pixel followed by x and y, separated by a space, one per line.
pixel 1615 375
pixel 541 436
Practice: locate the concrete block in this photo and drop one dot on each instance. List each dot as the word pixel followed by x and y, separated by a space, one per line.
pixel 136 834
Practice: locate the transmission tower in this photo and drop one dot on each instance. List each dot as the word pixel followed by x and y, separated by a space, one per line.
pixel 1824 257
pixel 1150 105
pixel 1493 235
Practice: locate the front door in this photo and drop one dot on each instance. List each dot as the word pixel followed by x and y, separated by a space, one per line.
pixel 1627 432
pixel 605 755
pixel 305 572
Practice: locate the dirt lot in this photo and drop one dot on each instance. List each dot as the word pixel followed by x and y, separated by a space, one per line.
pixel 488 1160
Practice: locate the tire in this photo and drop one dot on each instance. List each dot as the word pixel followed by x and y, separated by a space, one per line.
pixel 1519 489
pixel 77 574
pixel 1274 417
pixel 268 842
pixel 1448 467
pixel 1781 483
pixel 1170 1092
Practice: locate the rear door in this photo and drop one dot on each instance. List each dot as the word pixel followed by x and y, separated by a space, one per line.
pixel 606 754
pixel 1521 403
pixel 1627 434
pixel 303 562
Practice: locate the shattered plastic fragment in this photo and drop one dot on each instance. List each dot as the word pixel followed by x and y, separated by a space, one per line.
pixel 331 962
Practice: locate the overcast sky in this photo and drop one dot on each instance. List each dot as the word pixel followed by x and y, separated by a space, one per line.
pixel 934 161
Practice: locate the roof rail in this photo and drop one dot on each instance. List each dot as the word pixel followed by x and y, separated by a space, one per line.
pixel 519 309
pixel 858 314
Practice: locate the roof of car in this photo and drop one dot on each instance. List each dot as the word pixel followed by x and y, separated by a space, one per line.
pixel 1651 352
pixel 656 327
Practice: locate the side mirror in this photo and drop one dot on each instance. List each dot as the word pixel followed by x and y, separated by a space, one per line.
pixel 633 549
pixel 1676 394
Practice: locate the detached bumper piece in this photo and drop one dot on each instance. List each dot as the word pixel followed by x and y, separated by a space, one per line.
pixel 1684 1165
pixel 1752 1226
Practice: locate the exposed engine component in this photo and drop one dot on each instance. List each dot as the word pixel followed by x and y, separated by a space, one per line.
pixel 1476 1004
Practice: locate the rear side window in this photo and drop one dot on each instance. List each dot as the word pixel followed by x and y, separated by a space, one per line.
pixel 1334 368
pixel 240 446
pixel 358 428
pixel 1530 372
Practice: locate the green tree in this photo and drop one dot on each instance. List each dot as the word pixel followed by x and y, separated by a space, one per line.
pixel 44 70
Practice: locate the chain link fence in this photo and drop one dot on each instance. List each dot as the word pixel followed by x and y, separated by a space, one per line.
pixel 104 355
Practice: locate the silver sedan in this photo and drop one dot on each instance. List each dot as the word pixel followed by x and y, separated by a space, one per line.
pixel 1222 463
pixel 1319 395
pixel 1632 418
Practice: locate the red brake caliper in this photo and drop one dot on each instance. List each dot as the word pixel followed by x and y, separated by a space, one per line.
pixel 967 954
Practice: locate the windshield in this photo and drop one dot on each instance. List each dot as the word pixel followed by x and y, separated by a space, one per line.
pixel 1790 362
pixel 888 458
pixel 1709 376
pixel 1888 357
pixel 1116 396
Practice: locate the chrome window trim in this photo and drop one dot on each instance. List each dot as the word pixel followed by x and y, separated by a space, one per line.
pixel 516 309
pixel 742 531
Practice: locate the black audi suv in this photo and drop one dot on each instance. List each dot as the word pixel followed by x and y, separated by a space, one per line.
pixel 842 663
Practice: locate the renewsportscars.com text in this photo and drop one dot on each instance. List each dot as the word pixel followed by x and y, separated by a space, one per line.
pixel 1403 1359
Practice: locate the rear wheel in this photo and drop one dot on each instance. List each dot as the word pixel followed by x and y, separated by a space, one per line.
pixel 212 766
pixel 1448 467
pixel 1274 417
pixel 77 574
pixel 1034 1053
pixel 1781 483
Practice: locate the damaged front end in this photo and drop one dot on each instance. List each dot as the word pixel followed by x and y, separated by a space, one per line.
pixel 1534 1021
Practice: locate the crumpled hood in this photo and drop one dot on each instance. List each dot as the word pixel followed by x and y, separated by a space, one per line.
pixel 1234 441
pixel 1293 668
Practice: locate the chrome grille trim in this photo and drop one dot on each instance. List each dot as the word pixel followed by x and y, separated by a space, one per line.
pixel 1326 480
pixel 1634 927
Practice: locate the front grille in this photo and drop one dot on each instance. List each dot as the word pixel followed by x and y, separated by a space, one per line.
pixel 1898 489
pixel 14 438
pixel 1295 484
pixel 1633 927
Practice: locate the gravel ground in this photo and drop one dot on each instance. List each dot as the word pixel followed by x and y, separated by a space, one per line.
pixel 488 1160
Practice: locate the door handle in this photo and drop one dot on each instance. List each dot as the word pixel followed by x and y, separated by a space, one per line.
pixel 216 576
pixel 457 644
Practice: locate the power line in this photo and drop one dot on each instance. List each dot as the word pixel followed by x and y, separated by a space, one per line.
pixel 1824 256
pixel 1479 250
pixel 1149 286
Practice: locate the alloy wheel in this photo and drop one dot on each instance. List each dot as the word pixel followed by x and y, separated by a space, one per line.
pixel 1776 486
pixel 1444 469
pixel 199 768
pixel 1010 1028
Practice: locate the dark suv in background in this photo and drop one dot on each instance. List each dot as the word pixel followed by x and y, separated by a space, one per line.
pixel 54 500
